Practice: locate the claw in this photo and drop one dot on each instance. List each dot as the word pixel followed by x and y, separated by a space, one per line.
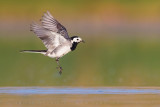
pixel 60 69
pixel 60 72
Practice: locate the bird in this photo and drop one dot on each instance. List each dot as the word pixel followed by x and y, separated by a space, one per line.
pixel 54 37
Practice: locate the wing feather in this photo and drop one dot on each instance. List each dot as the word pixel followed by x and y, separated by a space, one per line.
pixel 50 23
pixel 51 32
pixel 49 39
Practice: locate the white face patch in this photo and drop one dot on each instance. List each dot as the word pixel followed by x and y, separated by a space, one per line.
pixel 77 40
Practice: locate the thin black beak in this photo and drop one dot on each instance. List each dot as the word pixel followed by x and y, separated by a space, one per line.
pixel 83 41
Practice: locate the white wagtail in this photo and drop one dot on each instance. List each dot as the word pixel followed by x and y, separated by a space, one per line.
pixel 55 38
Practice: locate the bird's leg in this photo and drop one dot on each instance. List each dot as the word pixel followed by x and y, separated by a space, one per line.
pixel 59 67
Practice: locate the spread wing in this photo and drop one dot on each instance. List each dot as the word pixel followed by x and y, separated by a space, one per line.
pixel 51 32
pixel 50 23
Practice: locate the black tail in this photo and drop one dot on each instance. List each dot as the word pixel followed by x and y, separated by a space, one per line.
pixel 34 51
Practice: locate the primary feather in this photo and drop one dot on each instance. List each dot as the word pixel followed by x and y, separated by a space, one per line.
pixel 51 32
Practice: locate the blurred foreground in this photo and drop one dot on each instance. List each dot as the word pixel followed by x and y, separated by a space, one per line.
pixel 22 99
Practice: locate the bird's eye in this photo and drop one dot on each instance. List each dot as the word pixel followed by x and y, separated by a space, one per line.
pixel 77 39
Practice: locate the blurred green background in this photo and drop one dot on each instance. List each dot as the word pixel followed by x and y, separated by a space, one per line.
pixel 122 43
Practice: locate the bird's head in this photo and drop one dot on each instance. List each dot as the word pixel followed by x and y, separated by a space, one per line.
pixel 76 39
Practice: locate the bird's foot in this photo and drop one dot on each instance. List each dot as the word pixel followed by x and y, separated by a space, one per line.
pixel 60 70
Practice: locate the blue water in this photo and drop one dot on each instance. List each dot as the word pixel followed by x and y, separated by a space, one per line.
pixel 75 90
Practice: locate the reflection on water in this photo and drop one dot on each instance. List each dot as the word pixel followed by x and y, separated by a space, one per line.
pixel 76 90
pixel 81 97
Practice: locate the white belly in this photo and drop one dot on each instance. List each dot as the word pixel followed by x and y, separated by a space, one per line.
pixel 59 52
pixel 62 51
